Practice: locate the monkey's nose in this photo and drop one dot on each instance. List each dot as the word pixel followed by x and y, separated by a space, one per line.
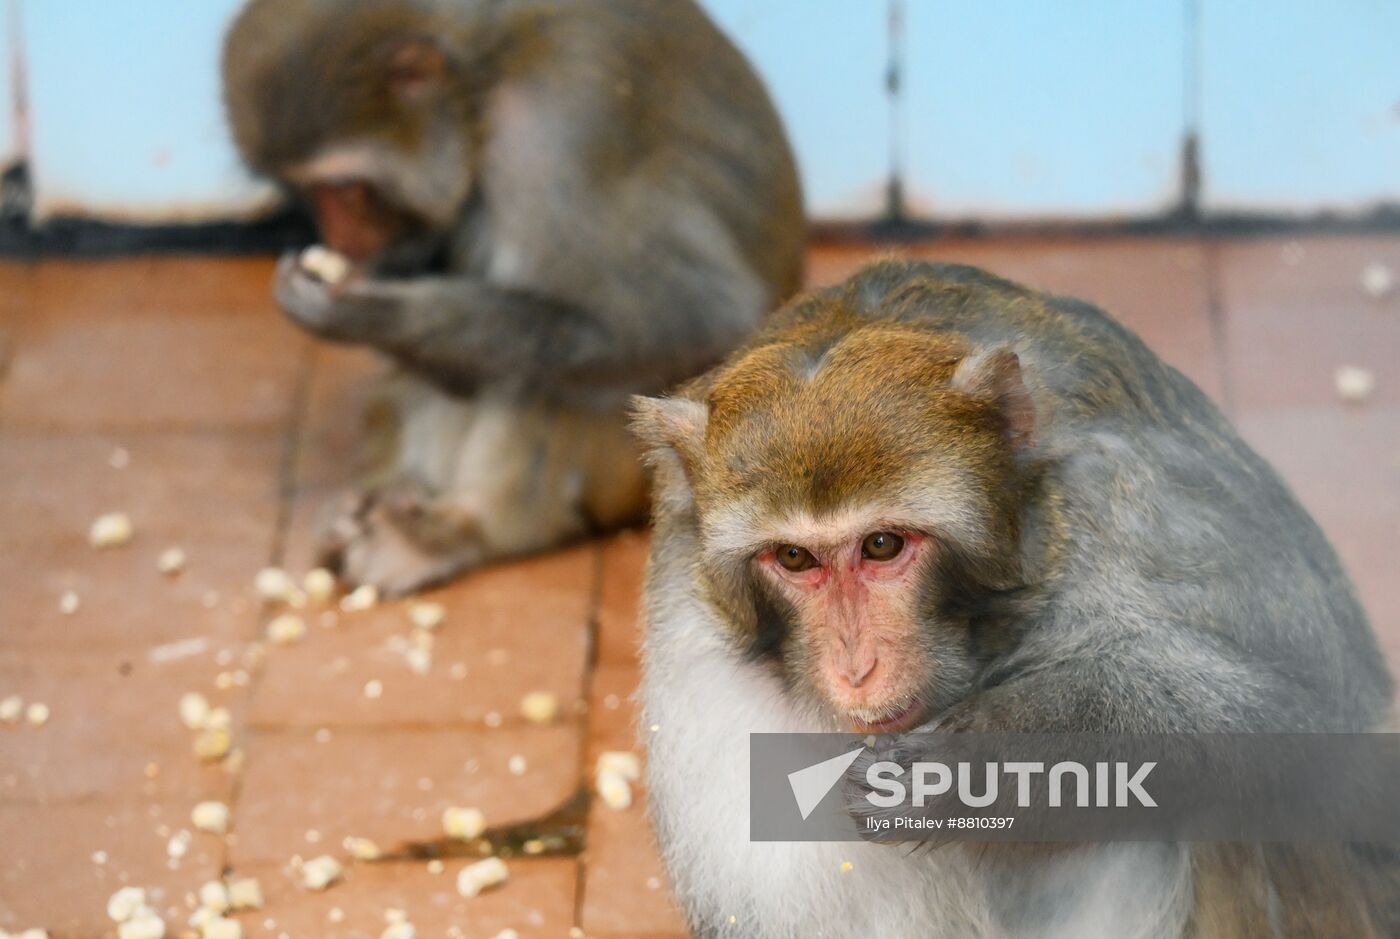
pixel 857 668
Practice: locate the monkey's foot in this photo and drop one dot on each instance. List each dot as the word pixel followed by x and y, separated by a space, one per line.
pixel 399 542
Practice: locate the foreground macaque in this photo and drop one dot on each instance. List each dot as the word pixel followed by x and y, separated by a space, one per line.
pixel 535 208
pixel 931 498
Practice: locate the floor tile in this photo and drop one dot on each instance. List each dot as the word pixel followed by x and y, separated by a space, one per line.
pixel 1295 312
pixel 177 489
pixel 51 879
pixel 392 785
pixel 510 629
pixel 153 344
pixel 113 732
pixel 537 901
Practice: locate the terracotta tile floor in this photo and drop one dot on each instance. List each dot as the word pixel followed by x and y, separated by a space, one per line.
pixel 172 390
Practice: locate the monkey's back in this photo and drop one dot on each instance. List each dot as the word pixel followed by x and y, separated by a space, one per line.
pixel 684 109
pixel 1174 520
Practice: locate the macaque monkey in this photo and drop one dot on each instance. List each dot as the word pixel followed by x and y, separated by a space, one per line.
pixel 930 498
pixel 533 208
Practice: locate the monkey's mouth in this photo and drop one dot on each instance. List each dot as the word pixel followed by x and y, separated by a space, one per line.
pixel 911 715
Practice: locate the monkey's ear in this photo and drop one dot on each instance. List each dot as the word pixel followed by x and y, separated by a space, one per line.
pixel 416 67
pixel 995 376
pixel 676 425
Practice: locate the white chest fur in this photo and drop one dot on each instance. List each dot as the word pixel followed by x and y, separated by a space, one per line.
pixel 704 701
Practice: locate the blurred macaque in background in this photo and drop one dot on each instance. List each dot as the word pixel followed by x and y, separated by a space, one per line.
pixel 535 209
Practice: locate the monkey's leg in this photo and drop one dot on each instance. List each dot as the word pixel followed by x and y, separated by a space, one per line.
pixel 482 480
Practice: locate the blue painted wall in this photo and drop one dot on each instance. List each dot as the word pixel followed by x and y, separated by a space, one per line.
pixel 1300 103
pixel 1011 108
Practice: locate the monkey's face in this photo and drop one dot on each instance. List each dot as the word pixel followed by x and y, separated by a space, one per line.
pixel 358 108
pixel 855 497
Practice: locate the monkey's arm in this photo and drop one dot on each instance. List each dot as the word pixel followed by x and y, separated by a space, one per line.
pixel 1172 680
pixel 464 329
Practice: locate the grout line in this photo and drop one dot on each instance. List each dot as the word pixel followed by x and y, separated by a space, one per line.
pixel 1215 314
pixel 590 671
pixel 286 490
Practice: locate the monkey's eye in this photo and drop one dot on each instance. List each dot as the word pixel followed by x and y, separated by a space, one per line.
pixel 881 546
pixel 795 558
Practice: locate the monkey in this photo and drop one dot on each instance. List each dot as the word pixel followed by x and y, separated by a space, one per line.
pixel 544 207
pixel 929 498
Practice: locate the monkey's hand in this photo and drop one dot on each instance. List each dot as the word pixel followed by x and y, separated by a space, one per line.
pixel 874 820
pixel 354 309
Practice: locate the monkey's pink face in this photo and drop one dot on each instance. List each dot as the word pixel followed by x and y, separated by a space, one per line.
pixel 856 601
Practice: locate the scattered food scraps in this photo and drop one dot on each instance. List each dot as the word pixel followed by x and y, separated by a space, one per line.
pixel 319 873
pixel 286 629
pixel 539 707
pixel 362 849
pixel 211 817
pixel 484 874
pixel 1354 383
pixel 330 266
pixel 427 615
pixel 363 597
pixel 319 585
pixel 171 561
pixel 1377 280
pixel 245 894
pixel 463 824
pixel 111 530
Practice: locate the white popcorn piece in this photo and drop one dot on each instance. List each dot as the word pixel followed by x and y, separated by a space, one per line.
pixel 399 930
pixel 145 924
pixel 213 896
pixel 178 845
pixel 319 585
pixel 319 873
pixel 274 585
pixel 362 597
pixel 11 708
pixel 374 688
pixel 575 933
pixel 614 789
pixel 517 765
pixel 211 817
pixel 34 933
pixel 212 744
pixel 171 561
pixel 286 629
pixel 427 615
pixel 37 714
pixel 217 719
pixel 220 928
pixel 539 707
pixel 623 762
pixel 69 602
pixel 125 903
pixel 336 915
pixel 435 866
pixel 201 917
pixel 462 823
pixel 1377 280
pixel 484 874
pixel 245 894
pixel 506 934
pixel 329 266
pixel 1354 383
pixel 111 530
pixel 420 661
pixel 362 849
